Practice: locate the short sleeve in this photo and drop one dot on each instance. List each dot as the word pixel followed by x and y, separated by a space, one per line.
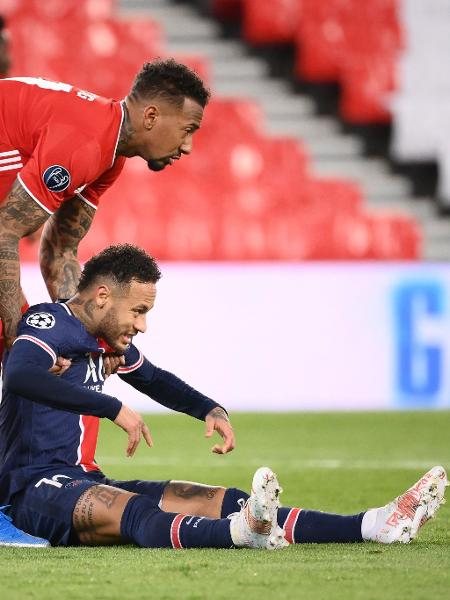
pixel 63 160
pixel 91 194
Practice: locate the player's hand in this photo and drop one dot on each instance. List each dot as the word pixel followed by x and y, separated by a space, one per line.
pixel 111 363
pixel 217 420
pixel 61 365
pixel 131 422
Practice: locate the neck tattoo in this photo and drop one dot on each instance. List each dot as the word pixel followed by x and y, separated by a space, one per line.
pixel 126 131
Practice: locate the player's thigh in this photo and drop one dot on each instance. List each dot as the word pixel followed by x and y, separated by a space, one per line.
pixel 98 513
pixel 193 498
pixel 45 507
pixel 153 490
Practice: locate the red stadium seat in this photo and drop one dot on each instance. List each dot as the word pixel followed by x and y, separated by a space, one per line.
pixel 365 85
pixel 226 9
pixel 268 22
pixel 241 195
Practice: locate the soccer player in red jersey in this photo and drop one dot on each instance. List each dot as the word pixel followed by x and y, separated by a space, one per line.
pixel 62 147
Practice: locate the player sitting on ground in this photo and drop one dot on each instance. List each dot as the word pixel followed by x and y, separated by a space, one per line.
pixel 49 425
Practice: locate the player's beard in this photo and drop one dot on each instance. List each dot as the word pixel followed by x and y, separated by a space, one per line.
pixel 109 330
pixel 155 164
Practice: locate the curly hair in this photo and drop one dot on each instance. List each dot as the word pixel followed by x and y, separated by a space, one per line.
pixel 122 263
pixel 171 81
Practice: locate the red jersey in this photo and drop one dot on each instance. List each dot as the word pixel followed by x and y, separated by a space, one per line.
pixel 58 140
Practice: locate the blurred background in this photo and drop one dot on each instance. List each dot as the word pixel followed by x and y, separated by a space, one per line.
pixel 305 242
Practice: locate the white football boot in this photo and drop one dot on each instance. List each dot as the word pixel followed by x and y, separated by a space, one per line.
pixel 401 519
pixel 255 526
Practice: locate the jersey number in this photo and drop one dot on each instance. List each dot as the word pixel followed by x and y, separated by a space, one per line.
pixel 53 481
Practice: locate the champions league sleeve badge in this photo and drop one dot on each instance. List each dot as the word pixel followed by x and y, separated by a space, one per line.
pixel 56 178
pixel 41 320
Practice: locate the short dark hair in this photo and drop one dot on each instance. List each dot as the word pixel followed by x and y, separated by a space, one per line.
pixel 122 263
pixel 170 80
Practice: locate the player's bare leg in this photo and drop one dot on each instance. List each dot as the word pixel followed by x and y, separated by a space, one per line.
pixel 193 499
pixel 97 515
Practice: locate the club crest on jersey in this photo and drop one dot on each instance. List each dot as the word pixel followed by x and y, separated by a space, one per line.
pixel 41 320
pixel 56 178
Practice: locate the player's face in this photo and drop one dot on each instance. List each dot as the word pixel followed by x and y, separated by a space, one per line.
pixel 171 134
pixel 126 316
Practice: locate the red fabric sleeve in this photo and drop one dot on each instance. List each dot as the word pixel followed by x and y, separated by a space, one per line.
pixel 62 161
pixel 91 193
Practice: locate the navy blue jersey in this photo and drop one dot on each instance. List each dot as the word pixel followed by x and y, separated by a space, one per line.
pixel 48 421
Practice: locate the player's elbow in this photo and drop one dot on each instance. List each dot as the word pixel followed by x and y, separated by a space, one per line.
pixel 14 379
pixel 19 376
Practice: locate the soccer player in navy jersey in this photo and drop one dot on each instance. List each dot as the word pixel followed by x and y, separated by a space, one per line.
pixel 49 426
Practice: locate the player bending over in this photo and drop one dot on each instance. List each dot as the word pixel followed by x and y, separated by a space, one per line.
pixel 61 148
pixel 49 426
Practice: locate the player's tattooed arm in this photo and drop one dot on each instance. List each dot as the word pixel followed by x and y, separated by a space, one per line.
pixel 59 247
pixel 20 215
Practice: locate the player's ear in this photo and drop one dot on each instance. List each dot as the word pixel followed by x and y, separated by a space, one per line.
pixel 151 114
pixel 102 296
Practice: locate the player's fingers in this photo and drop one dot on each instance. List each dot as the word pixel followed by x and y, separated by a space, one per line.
pixel 228 438
pixel 147 435
pixel 107 368
pixel 217 449
pixel 209 429
pixel 133 441
pixel 227 434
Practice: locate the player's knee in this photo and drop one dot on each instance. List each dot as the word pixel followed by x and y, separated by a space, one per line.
pixel 233 501
pixel 193 498
pixel 98 513
pixel 187 490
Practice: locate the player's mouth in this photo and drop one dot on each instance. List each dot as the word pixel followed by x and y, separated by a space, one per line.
pixel 127 339
pixel 158 164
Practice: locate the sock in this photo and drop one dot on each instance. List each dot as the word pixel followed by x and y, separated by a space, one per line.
pixel 305 526
pixel 369 524
pixel 149 527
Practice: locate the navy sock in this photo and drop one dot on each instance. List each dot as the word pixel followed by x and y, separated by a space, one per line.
pixel 305 526
pixel 149 527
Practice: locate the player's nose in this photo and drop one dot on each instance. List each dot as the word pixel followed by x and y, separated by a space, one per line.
pixel 141 324
pixel 186 146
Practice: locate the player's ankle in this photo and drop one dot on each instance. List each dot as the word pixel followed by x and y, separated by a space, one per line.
pixel 369 524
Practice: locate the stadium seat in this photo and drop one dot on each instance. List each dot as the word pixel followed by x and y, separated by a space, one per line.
pixel 270 22
pixel 242 194
pixel 227 10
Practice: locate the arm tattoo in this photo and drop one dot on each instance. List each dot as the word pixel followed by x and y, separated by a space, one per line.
pixel 59 245
pixel 19 216
pixel 218 413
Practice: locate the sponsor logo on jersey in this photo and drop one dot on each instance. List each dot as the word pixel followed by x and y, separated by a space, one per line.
pixel 94 372
pixel 41 320
pixel 56 178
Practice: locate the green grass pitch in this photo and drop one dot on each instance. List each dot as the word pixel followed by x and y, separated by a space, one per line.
pixel 340 462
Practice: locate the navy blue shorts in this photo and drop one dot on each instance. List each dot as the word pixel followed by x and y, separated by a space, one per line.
pixel 45 507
